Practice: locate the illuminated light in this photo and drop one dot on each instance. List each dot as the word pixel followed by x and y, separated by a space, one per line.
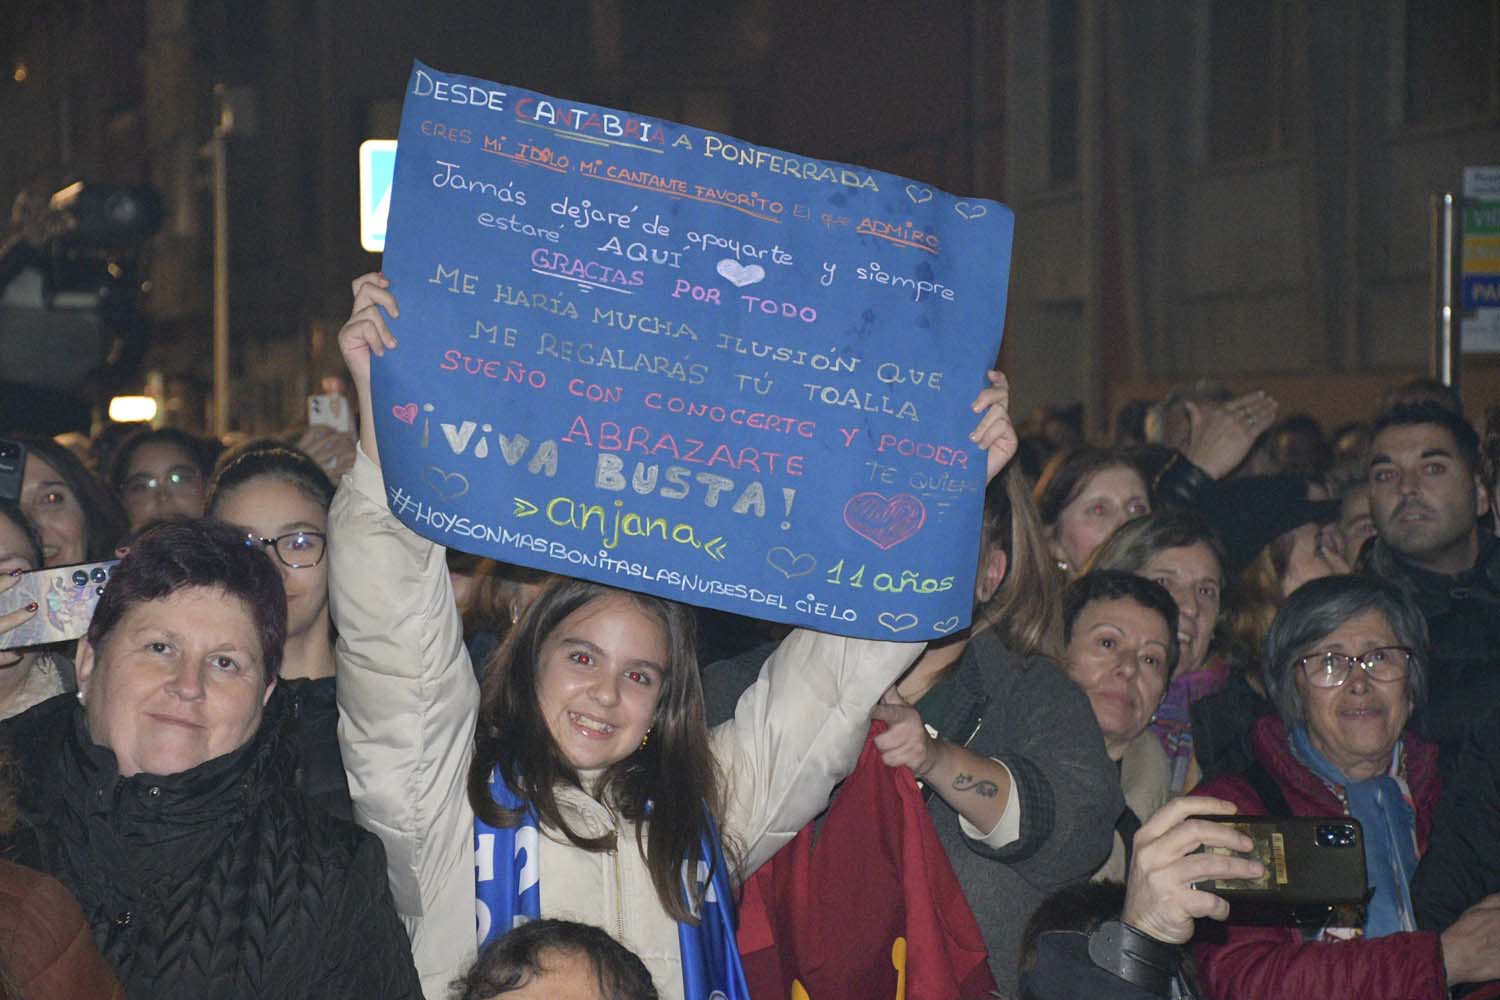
pixel 377 168
pixel 21 73
pixel 132 409
pixel 63 198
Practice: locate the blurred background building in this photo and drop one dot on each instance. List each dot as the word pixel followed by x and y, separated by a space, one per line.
pixel 1235 188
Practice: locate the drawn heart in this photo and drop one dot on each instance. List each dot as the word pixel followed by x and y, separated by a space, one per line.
pixel 406 414
pixel 897 623
pixel 739 274
pixel 448 485
pixel 791 564
pixel 884 521
pixel 946 625
pixel 918 194
pixel 969 210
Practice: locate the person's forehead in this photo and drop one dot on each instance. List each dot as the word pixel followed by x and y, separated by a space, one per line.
pixel 1126 614
pixel 209 613
pixel 1359 627
pixel 155 455
pixel 1112 478
pixel 1196 561
pixel 1411 440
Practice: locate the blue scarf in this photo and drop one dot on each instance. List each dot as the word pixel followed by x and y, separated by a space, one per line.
pixel 508 892
pixel 1390 830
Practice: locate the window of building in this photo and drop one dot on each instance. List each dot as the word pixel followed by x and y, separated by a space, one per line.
pixel 1063 65
pixel 1451 49
pixel 1249 107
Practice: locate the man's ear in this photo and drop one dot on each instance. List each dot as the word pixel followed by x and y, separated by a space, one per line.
pixel 83 664
pixel 1481 496
pixel 992 572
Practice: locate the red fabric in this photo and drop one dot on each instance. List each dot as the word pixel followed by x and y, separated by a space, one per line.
pixel 1270 963
pixel 874 894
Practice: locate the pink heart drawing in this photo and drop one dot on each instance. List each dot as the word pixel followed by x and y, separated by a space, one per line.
pixel 406 414
pixel 884 521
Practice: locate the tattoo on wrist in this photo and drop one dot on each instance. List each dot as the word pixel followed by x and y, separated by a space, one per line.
pixel 968 783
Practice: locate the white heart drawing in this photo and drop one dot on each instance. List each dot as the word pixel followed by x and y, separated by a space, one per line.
pixel 897 623
pixel 918 194
pixel 946 625
pixel 969 210
pixel 739 274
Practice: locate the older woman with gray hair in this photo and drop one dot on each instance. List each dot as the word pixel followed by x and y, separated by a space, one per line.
pixel 1346 663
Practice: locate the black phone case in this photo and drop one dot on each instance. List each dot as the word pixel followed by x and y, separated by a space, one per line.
pixel 1299 869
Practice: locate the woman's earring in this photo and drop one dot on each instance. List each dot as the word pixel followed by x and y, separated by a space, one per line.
pixel 645 739
pixel 1062 564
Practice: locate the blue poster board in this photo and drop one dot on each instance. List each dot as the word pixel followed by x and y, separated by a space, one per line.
pixel 666 359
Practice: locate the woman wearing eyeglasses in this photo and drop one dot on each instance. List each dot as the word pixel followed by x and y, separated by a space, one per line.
pixel 278 497
pixel 1346 660
pixel 160 474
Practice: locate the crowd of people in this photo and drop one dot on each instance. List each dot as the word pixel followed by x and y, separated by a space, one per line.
pixel 303 752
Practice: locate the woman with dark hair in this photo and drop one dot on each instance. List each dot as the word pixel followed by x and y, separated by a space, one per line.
pixel 1083 496
pixel 1020 790
pixel 1179 550
pixel 546 959
pixel 1346 663
pixel 591 717
pixel 278 498
pixel 1121 634
pixel 161 797
pixel 27 676
pixel 78 518
pixel 160 473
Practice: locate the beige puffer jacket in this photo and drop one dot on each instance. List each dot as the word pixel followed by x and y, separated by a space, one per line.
pixel 408 703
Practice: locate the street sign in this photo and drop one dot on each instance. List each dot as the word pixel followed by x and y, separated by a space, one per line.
pixel 377 168
pixel 1481 260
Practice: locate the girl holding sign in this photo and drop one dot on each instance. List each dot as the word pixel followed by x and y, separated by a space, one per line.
pixel 581 782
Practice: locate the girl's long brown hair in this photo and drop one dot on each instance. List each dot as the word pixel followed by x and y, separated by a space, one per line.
pixel 513 739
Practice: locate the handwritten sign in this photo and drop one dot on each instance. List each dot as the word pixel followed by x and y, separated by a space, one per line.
pixel 677 362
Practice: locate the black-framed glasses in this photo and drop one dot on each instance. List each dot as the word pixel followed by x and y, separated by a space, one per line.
pixel 178 478
pixel 295 549
pixel 1331 670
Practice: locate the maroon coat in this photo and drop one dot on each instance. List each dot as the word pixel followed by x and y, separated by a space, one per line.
pixel 1269 963
pixel 45 945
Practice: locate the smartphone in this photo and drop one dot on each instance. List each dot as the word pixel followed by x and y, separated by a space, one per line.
pixel 12 468
pixel 66 597
pixel 1309 861
pixel 329 409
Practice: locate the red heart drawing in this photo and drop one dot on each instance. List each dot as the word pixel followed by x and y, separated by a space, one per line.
pixel 406 414
pixel 884 521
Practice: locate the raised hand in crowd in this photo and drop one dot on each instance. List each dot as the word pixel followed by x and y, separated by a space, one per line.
pixel 1160 900
pixel 366 333
pixel 1221 435
pixel 333 450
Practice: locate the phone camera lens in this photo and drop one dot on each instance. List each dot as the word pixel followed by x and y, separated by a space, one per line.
pixel 98 574
pixel 80 577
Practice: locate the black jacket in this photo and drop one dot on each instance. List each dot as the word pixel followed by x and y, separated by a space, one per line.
pixel 311 736
pixel 222 881
pixel 1463 623
pixel 1462 863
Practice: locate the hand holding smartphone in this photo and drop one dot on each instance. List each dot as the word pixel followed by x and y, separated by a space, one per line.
pixel 65 597
pixel 1308 860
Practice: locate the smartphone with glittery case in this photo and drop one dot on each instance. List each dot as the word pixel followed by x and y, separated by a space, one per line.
pixel 65 596
pixel 1309 860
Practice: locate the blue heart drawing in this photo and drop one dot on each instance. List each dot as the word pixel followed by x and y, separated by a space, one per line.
pixel 448 485
pixel 791 564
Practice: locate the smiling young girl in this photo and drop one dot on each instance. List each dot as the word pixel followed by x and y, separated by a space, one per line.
pixel 584 783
